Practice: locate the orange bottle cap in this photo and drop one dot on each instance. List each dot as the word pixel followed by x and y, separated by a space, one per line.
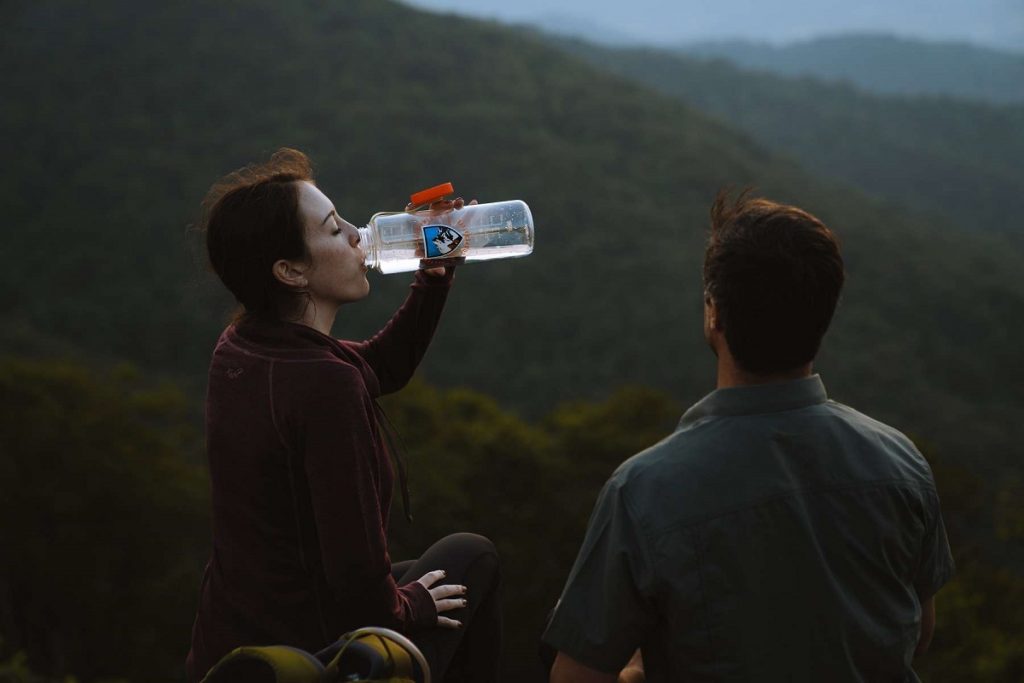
pixel 432 194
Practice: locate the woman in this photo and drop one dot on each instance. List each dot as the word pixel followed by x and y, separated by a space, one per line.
pixel 300 473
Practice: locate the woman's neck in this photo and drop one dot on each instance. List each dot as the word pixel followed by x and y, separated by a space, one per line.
pixel 318 316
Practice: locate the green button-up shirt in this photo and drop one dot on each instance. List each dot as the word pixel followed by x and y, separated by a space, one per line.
pixel 776 535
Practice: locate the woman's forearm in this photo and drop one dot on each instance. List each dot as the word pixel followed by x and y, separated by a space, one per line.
pixel 396 351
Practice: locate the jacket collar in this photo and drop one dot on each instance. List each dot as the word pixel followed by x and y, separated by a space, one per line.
pixel 758 398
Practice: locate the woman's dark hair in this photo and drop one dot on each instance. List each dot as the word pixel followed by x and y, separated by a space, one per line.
pixel 251 220
pixel 774 273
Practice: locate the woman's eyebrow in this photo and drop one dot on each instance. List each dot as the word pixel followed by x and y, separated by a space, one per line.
pixel 332 213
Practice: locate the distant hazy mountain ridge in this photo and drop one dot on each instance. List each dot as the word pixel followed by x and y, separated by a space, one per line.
pixel 885 64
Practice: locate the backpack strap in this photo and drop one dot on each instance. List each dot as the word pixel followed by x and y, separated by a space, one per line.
pixel 375 654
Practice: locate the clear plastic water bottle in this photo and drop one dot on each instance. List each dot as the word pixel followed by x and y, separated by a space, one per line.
pixel 428 238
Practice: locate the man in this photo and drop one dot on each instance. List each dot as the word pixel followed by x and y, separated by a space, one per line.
pixel 776 535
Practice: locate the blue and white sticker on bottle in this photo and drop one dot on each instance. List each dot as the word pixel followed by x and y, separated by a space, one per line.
pixel 441 240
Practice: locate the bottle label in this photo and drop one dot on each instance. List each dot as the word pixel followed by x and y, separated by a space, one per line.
pixel 440 241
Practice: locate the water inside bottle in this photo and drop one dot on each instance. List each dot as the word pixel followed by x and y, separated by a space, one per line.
pixel 486 238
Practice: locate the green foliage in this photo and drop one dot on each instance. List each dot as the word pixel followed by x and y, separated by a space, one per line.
pixel 101 516
pixel 104 520
pixel 979 634
pixel 527 487
pixel 16 670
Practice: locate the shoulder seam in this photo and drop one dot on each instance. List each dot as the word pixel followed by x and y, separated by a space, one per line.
pixel 888 428
pixel 274 359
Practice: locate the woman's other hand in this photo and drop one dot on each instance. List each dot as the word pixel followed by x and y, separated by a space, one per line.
pixel 442 205
pixel 443 595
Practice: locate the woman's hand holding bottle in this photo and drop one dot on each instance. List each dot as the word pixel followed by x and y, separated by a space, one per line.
pixel 442 205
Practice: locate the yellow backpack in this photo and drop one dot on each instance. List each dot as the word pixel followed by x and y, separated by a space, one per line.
pixel 371 654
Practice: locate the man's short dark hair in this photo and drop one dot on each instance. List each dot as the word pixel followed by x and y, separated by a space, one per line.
pixel 774 273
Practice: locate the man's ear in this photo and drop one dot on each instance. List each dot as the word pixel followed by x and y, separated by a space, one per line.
pixel 711 311
pixel 290 273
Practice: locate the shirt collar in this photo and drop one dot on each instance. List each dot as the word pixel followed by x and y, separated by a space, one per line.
pixel 758 398
pixel 282 333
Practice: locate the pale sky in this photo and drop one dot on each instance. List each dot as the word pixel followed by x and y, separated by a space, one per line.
pixel 996 23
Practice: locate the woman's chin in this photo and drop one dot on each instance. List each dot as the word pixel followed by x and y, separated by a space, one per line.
pixel 366 290
pixel 355 293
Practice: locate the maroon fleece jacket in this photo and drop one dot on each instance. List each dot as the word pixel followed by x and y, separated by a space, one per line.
pixel 302 483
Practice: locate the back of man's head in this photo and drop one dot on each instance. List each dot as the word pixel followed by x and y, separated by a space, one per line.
pixel 774 273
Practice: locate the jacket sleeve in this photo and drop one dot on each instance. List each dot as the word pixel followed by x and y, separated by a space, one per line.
pixel 395 351
pixel 340 458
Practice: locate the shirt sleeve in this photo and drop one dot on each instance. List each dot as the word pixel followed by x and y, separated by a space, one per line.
pixel 936 566
pixel 339 455
pixel 606 608
pixel 396 351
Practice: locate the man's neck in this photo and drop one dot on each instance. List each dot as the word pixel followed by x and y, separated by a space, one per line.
pixel 731 375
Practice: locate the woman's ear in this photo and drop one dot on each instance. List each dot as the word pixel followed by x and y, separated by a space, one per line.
pixel 290 273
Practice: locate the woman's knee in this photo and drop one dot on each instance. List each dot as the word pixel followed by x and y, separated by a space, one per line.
pixel 474 549
pixel 472 543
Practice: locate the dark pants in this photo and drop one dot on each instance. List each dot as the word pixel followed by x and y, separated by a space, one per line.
pixel 469 654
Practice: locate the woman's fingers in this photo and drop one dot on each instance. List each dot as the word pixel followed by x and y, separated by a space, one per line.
pixel 447 591
pixel 444 600
pixel 445 622
pixel 435 272
pixel 445 204
pixel 448 605
pixel 430 578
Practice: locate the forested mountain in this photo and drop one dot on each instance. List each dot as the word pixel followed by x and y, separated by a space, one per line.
pixel 885 64
pixel 118 115
pixel 961 162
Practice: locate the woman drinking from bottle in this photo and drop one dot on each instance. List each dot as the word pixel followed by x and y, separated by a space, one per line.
pixel 300 465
